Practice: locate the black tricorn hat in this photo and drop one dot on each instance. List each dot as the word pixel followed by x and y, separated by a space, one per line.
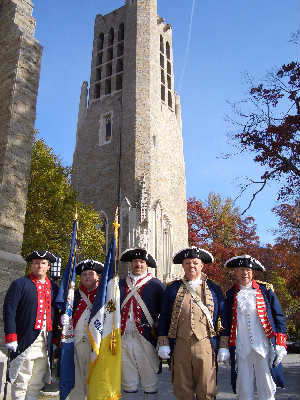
pixel 245 261
pixel 41 255
pixel 193 252
pixel 138 253
pixel 88 264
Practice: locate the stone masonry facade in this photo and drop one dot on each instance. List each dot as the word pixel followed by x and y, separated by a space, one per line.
pixel 129 149
pixel 20 61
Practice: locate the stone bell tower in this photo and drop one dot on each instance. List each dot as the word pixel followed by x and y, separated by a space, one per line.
pixel 129 150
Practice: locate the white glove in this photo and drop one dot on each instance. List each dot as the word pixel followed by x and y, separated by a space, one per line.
pixel 65 319
pixel 280 353
pixel 223 356
pixel 164 352
pixel 12 346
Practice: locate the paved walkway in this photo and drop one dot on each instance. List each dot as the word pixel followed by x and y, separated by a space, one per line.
pixel 291 367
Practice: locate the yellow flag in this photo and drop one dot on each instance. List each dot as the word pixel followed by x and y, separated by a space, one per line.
pixel 104 331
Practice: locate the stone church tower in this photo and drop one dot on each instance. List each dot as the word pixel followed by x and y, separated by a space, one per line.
pixel 129 149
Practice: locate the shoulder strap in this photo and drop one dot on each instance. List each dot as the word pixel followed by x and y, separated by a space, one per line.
pixel 134 292
pixel 134 289
pixel 86 300
pixel 199 303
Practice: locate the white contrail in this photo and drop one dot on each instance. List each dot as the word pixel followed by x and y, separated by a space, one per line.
pixel 187 45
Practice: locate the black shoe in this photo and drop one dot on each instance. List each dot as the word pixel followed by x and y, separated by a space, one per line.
pixel 50 389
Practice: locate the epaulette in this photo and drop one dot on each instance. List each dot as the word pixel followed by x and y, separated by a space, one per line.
pixel 267 285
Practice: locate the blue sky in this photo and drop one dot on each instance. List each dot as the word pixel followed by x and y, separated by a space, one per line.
pixel 228 39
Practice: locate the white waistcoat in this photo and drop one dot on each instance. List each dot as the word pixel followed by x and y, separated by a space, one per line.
pixel 250 333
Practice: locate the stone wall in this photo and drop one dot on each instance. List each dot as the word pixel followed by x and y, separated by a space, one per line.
pixel 20 61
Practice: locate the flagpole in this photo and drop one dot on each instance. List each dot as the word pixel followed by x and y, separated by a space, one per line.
pixel 64 301
pixel 113 340
pixel 75 252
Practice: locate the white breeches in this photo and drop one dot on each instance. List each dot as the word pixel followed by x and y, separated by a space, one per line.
pixel 255 367
pixel 33 371
pixel 139 362
pixel 30 379
pixel 82 353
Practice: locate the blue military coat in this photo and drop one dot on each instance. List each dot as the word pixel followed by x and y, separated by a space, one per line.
pixel 19 314
pixel 167 310
pixel 152 294
pixel 277 321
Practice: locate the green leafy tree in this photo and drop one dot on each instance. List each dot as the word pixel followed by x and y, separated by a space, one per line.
pixel 289 303
pixel 51 207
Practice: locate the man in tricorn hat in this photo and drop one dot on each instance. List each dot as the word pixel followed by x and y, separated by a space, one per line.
pixel 29 321
pixel 257 340
pixel 187 328
pixel 84 296
pixel 141 297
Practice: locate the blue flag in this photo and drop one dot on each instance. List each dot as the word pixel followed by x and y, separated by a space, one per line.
pixel 64 301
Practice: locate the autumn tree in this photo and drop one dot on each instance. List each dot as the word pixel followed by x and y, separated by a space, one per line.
pixel 289 222
pixel 218 226
pixel 50 210
pixel 287 251
pixel 287 245
pixel 267 124
pixel 282 260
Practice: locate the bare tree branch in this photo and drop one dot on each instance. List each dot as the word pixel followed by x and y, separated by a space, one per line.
pixel 254 195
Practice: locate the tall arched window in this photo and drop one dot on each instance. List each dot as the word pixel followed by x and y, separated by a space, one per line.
pixel 121 32
pixel 169 99
pixel 119 66
pixel 111 36
pixel 99 59
pixel 169 69
pixel 105 128
pixel 163 93
pixel 161 44
pixel 101 41
pixel 169 82
pixel 110 54
pixel 120 50
pixel 119 82
pixel 108 86
pixel 109 69
pixel 97 91
pixel 168 51
pixel 98 74
pixel 162 76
